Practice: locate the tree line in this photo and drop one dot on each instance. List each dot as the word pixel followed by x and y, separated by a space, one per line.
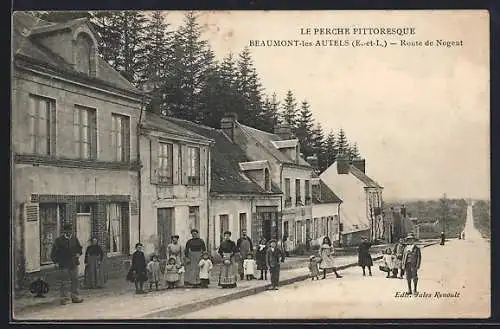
pixel 190 83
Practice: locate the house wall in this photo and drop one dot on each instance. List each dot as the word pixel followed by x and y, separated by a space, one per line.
pixel 352 191
pixel 61 177
pixel 178 196
pixel 326 215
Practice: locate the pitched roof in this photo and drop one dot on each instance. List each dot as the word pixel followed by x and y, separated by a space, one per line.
pixel 363 177
pixel 157 122
pixel 225 159
pixel 23 44
pixel 323 194
pixel 266 140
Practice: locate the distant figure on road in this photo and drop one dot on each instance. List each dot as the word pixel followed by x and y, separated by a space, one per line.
pixel 244 245
pixel 326 252
pixel 463 235
pixel 364 257
pixel 274 256
pixel 260 257
pixel 65 253
pixel 192 253
pixel 411 260
pixel 314 267
pixel 227 251
pixel 399 249
pixel 442 239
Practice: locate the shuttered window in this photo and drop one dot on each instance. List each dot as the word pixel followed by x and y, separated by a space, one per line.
pixel 120 137
pixel 193 169
pixel 42 125
pixel 85 132
pixel 51 217
pixel 165 163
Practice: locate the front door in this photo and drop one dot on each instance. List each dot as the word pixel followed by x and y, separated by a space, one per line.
pixel 165 226
pixel 266 226
pixel 83 233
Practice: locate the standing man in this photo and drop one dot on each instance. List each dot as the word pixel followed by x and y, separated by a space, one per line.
pixel 244 246
pixel 411 260
pixel 399 249
pixel 442 238
pixel 274 256
pixel 65 253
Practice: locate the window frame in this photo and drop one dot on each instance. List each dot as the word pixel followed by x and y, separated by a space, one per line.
pixel 165 157
pixel 34 106
pixel 191 214
pixel 120 128
pixel 120 230
pixel 91 128
pixel 221 227
pixel 193 165
pixel 298 192
pixel 59 215
pixel 245 218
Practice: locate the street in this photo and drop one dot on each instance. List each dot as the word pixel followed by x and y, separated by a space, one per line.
pixel 454 282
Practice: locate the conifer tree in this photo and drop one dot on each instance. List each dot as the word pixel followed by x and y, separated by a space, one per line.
pixel 342 143
pixel 304 129
pixel 354 152
pixel 330 149
pixel 289 110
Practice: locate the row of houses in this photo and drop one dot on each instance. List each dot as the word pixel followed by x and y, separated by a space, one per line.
pixel 84 151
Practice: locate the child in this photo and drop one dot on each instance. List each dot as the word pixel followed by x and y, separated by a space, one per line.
pixel 389 262
pixel 171 273
pixel 314 267
pixel 206 266
pixel 154 272
pixel 260 256
pixel 249 267
pixel 138 269
pixel 39 288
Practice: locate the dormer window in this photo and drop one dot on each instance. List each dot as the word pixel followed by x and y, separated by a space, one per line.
pixel 258 171
pixel 85 54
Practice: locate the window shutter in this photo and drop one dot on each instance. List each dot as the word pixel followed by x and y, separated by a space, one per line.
pixel 175 163
pixel 184 164
pixel 154 160
pixel 31 221
pixel 203 164
pixel 93 134
pixel 53 129
pixel 126 138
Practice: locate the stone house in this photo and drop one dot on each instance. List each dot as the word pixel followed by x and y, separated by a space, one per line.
pixel 242 195
pixel 175 183
pixel 287 170
pixel 73 144
pixel 361 212
pixel 326 219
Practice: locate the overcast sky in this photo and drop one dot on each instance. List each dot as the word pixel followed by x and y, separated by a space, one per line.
pixel 420 115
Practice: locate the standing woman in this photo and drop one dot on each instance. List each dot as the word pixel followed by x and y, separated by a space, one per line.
pixel 364 257
pixel 174 250
pixel 260 258
pixel 326 251
pixel 94 271
pixel 194 248
pixel 227 250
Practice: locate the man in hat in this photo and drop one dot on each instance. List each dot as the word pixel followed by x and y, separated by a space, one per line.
pixel 245 246
pixel 411 262
pixel 274 256
pixel 66 251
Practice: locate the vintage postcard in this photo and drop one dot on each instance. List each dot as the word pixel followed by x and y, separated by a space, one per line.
pixel 250 165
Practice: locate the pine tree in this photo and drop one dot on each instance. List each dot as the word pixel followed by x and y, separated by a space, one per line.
pixel 304 129
pixel 353 152
pixel 331 149
pixel 289 110
pixel 61 16
pixel 107 26
pixel 250 90
pixel 318 140
pixel 193 59
pixel 342 143
pixel 270 114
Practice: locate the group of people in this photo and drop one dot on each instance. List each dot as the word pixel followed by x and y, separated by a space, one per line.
pixel 405 257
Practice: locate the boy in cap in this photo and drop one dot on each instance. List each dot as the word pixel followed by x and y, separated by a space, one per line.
pixel 411 262
pixel 274 256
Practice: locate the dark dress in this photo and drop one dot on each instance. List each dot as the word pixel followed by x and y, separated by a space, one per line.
pixel 192 253
pixel 94 269
pixel 364 257
pixel 260 257
pixel 138 268
pixel 227 276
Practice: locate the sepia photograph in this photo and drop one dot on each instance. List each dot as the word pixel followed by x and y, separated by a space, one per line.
pixel 252 165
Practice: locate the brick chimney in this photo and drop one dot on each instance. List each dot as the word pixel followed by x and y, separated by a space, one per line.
pixel 283 130
pixel 343 164
pixel 313 161
pixel 360 164
pixel 227 124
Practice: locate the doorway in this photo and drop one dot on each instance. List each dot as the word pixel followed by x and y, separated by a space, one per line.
pixel 83 233
pixel 165 230
pixel 266 226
